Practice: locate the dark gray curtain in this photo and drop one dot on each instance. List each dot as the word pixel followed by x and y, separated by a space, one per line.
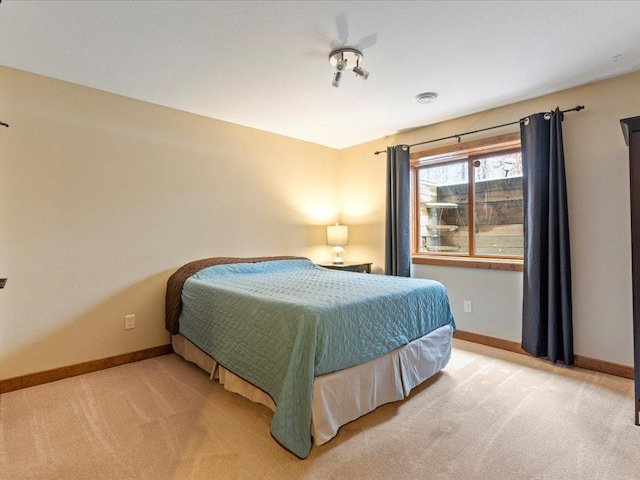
pixel 547 329
pixel 398 224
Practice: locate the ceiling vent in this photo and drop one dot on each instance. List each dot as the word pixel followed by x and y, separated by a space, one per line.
pixel 427 97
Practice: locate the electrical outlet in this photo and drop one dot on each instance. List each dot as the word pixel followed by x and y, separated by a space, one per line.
pixel 467 306
pixel 129 322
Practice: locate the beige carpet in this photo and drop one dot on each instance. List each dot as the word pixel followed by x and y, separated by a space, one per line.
pixel 489 415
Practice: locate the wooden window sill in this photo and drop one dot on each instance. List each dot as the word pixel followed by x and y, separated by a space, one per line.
pixel 507 264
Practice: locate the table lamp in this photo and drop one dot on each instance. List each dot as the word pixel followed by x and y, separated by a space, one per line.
pixel 337 236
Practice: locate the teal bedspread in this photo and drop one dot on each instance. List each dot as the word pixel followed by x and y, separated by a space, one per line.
pixel 279 324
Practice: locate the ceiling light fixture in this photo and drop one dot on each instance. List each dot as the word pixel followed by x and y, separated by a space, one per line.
pixel 342 59
pixel 427 97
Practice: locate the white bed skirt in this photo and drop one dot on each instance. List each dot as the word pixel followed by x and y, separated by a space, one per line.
pixel 345 395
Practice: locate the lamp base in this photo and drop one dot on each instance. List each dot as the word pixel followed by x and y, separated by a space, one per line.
pixel 338 258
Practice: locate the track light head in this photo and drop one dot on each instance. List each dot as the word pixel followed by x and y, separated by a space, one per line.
pixel 361 72
pixel 336 79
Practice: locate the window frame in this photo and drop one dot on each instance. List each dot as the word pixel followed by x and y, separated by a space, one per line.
pixel 468 151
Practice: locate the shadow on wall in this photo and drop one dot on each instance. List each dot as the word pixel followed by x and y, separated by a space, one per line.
pixel 98 333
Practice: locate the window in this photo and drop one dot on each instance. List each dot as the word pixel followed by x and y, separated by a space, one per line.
pixel 468 200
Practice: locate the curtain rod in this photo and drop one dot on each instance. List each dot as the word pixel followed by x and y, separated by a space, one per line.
pixel 2 123
pixel 574 109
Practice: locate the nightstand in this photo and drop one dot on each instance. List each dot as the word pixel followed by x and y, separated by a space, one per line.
pixel 348 267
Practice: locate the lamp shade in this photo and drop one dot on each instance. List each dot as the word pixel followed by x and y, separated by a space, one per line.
pixel 337 235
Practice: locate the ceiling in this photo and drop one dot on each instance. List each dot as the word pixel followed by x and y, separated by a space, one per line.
pixel 264 64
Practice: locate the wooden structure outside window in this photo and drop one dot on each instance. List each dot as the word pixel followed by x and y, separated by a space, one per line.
pixel 467 204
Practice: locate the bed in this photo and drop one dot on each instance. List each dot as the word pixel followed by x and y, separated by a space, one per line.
pixel 319 347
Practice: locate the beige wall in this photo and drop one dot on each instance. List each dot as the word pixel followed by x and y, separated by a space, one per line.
pixel 102 197
pixel 598 189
